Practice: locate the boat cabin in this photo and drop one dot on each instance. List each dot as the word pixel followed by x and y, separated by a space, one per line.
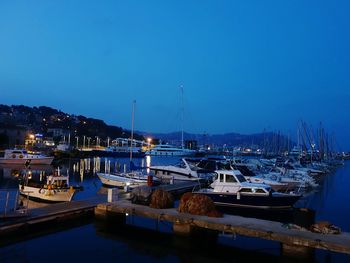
pixel 232 181
pixel 57 181
pixel 16 153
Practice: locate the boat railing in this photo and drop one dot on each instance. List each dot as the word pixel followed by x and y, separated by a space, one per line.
pixel 11 205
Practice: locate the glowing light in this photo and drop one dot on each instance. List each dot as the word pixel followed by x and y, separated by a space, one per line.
pixel 148 163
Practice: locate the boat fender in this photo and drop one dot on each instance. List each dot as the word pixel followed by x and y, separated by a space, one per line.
pixel 238 195
pixel 41 191
pixel 13 155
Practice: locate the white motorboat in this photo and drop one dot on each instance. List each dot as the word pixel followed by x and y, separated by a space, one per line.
pixel 21 156
pixel 231 189
pixel 182 171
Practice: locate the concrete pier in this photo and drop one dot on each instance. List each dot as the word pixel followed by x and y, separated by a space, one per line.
pixel 293 241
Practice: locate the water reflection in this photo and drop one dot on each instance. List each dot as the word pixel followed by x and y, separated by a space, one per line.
pixel 169 248
pixel 329 200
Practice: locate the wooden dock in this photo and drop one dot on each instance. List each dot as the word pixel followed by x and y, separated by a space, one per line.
pixel 48 214
pixel 292 239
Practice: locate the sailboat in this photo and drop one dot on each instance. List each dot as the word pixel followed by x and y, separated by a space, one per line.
pixel 172 150
pixel 130 178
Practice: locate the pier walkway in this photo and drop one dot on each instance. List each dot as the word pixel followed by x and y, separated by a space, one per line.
pixel 290 238
pixel 58 211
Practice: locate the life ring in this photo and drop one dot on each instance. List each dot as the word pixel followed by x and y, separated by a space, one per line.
pixel 21 156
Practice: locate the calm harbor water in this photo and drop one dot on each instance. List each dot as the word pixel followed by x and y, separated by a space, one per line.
pixel 91 241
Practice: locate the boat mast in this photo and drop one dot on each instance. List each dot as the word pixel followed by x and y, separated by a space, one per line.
pixel 182 116
pixel 132 128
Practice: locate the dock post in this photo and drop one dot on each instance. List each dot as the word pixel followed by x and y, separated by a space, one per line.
pixel 102 211
pixel 112 195
pixel 182 229
pixel 188 236
pixel 295 251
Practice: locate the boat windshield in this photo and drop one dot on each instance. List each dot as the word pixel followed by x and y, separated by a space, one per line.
pixel 181 164
pixel 241 178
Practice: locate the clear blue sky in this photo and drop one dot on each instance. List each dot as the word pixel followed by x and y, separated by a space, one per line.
pixel 245 66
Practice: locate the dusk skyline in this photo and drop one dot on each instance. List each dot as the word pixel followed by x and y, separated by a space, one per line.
pixel 245 66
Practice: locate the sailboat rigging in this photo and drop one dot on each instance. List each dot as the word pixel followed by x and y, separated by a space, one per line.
pixel 173 150
pixel 132 129
pixel 133 177
pixel 182 116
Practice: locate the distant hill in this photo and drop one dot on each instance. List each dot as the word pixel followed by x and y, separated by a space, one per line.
pixel 268 140
pixel 42 119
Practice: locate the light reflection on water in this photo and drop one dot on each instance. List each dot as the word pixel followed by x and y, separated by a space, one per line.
pixel 330 203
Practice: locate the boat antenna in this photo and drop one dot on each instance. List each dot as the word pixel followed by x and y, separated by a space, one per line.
pixel 132 128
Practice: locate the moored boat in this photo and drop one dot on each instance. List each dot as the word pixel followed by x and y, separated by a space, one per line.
pixel 231 189
pixel 170 150
pixel 56 188
pixel 20 156
pixel 181 171
pixel 130 179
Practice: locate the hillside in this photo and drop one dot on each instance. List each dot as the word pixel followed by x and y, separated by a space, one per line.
pixel 42 119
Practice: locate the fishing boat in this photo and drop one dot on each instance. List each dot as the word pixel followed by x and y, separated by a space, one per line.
pixel 55 188
pixel 20 156
pixel 231 189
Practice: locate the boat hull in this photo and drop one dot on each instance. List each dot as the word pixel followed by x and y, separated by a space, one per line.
pixel 33 161
pixel 46 195
pixel 121 181
pixel 274 202
pixel 102 153
pixel 170 154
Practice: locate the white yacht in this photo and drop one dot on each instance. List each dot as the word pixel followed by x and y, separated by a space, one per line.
pixel 169 150
pixel 20 156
